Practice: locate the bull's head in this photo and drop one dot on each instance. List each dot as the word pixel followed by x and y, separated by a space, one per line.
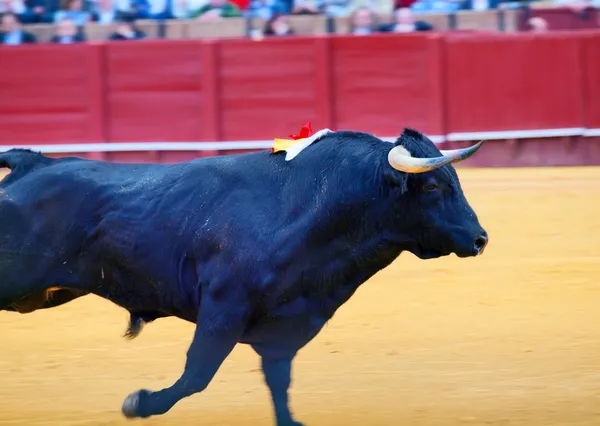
pixel 441 221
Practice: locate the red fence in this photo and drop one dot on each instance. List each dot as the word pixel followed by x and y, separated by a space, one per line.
pixel 454 87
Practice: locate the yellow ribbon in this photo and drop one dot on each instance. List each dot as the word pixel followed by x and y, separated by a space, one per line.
pixel 284 144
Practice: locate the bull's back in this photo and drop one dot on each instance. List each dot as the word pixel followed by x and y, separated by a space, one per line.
pixel 73 196
pixel 48 201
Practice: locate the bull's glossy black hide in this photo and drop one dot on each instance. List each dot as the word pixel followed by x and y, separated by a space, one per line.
pixel 252 248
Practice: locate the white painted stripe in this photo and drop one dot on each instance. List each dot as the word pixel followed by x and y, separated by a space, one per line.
pixel 267 144
pixel 159 146
pixel 144 146
pixel 434 138
pixel 591 132
pixel 517 134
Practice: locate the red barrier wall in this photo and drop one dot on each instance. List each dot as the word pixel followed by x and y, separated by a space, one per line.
pixel 155 92
pixel 50 94
pixel 524 82
pixel 384 81
pixel 451 86
pixel 265 89
pixel 591 85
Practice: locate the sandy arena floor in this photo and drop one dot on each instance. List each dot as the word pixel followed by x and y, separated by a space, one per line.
pixel 512 338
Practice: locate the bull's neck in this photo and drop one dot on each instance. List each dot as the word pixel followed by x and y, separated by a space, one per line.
pixel 359 229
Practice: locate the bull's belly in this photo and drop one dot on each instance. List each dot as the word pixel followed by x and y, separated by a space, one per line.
pixel 285 330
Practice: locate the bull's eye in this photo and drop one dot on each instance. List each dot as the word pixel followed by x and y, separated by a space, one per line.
pixel 430 187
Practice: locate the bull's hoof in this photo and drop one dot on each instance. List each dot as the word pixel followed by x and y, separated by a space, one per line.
pixel 289 423
pixel 132 405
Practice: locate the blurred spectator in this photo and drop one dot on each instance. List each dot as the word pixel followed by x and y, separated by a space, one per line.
pixel 141 9
pixel 159 9
pixel 278 25
pixel 41 11
pixel 379 7
pixel 267 9
pixel 537 25
pixel 182 9
pixel 241 4
pixel 11 30
pixel 333 8
pixel 127 30
pixel 305 7
pixel 363 21
pixel 436 6
pixel 481 4
pixel 404 22
pixel 336 8
pixel 399 4
pixel 73 10
pixel 67 33
pixel 576 5
pixel 105 12
pixel 216 9
pixel 15 6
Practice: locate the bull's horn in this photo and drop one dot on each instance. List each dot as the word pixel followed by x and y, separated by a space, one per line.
pixel 461 154
pixel 400 159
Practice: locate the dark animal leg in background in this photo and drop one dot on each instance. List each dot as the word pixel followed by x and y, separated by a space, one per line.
pixel 40 300
pixel 278 376
pixel 217 333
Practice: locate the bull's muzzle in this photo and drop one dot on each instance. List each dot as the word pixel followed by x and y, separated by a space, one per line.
pixel 480 244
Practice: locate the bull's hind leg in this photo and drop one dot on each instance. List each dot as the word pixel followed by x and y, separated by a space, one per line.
pixel 23 285
pixel 278 376
pixel 277 343
pixel 219 327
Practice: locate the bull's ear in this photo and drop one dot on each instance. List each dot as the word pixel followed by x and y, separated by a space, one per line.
pixel 396 178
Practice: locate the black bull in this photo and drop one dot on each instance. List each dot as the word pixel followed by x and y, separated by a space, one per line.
pixel 252 248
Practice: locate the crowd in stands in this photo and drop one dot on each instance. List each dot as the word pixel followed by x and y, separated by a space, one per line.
pixel 70 16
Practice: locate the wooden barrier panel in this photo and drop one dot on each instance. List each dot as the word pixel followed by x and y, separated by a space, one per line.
pixel 149 27
pixel 155 91
pixel 591 85
pixel 484 21
pixel 43 32
pixel 512 83
pixel 309 25
pixel 51 93
pixel 439 21
pixel 176 29
pixel 98 32
pixel 270 88
pixel 224 28
pixel 342 25
pixel 383 82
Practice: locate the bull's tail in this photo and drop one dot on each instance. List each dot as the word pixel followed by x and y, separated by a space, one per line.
pixel 137 321
pixel 20 160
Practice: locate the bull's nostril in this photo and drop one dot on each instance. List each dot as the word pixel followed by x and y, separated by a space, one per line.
pixel 480 243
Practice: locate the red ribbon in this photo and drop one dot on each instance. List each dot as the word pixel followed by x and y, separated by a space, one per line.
pixel 305 132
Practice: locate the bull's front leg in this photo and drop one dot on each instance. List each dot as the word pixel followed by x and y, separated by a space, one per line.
pixel 219 327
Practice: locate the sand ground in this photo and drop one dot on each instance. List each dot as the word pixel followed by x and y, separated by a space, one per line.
pixel 511 338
